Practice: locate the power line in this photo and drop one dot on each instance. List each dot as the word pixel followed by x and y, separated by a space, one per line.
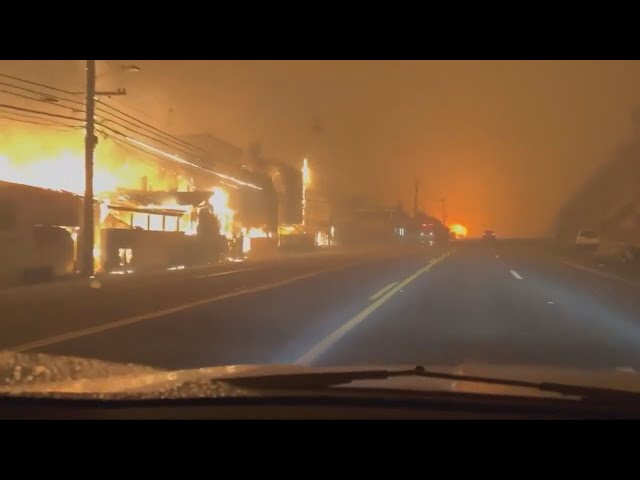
pixel 118 132
pixel 162 134
pixel 152 127
pixel 37 84
pixel 13 107
pixel 193 150
pixel 82 104
pixel 53 125
pixel 31 98
pixel 156 137
pixel 36 120
pixel 50 121
pixel 124 145
pixel 141 134
pixel 35 117
pixel 173 138
pixel 182 160
pixel 166 137
pixel 19 95
pixel 30 90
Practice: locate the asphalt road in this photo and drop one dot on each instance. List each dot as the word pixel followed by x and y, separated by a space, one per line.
pixel 507 303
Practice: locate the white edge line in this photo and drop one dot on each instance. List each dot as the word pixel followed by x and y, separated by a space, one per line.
pixel 218 274
pixel 159 313
pixel 515 274
pixel 600 273
pixel 382 291
pixel 626 369
pixel 341 331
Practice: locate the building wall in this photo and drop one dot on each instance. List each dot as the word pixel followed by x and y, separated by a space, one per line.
pixel 22 205
pixel 288 186
pixel 32 242
pixel 148 249
pixel 317 211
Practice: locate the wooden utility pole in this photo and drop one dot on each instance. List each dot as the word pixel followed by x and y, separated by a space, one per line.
pixel 86 248
pixel 89 146
pixel 444 211
pixel 415 198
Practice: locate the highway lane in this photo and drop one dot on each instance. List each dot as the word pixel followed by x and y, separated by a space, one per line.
pixel 46 315
pixel 507 304
pixel 502 303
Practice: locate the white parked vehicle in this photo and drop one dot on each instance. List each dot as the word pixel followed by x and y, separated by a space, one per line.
pixel 587 239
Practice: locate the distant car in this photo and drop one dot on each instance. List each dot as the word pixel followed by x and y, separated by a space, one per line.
pixel 489 236
pixel 587 239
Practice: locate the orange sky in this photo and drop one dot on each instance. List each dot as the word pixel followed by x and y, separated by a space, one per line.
pixel 506 142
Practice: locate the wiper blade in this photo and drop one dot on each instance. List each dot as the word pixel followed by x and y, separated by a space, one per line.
pixel 325 380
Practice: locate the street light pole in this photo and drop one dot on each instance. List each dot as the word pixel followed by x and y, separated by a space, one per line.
pixel 89 146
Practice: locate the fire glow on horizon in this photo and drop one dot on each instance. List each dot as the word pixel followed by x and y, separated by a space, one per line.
pixel 459 230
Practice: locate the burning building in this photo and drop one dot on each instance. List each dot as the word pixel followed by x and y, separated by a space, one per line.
pixel 304 217
pixel 152 209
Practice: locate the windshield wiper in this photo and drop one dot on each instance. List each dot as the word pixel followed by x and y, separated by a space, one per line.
pixel 325 380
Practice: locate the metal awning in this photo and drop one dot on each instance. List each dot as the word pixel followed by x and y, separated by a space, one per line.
pixel 140 197
pixel 170 212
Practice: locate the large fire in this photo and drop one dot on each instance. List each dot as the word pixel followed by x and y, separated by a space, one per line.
pixel 55 160
pixel 252 232
pixel 219 202
pixel 459 230
pixel 306 183
pixel 306 174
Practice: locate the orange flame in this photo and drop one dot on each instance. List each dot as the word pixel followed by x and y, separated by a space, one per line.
pixel 253 232
pixel 55 160
pixel 306 183
pixel 219 202
pixel 459 230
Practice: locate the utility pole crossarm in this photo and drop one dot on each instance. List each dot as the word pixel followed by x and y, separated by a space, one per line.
pixel 120 91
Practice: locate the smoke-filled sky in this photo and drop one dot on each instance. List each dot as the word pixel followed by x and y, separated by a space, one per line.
pixel 505 141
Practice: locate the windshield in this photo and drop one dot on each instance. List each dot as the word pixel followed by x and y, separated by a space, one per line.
pixel 319 214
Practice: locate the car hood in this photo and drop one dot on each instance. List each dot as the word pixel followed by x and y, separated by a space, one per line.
pixel 38 374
